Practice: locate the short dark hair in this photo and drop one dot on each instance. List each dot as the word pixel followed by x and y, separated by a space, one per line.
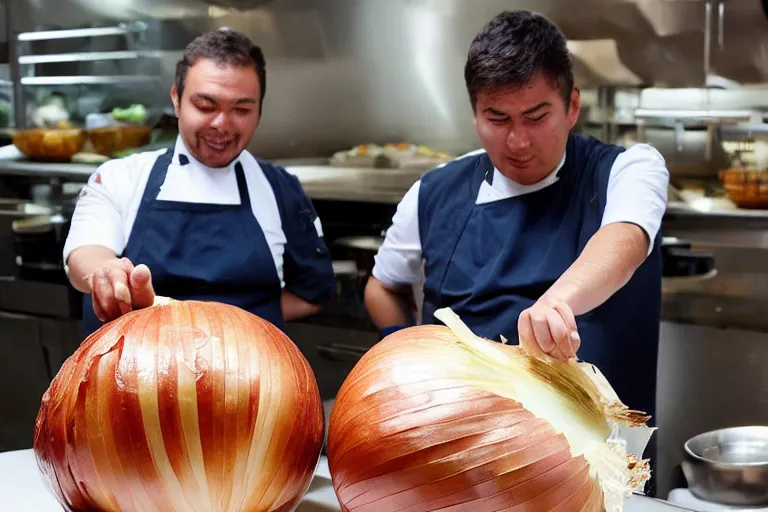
pixel 226 47
pixel 511 49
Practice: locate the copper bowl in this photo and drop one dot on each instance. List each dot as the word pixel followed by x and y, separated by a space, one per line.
pixel 49 144
pixel 746 188
pixel 109 140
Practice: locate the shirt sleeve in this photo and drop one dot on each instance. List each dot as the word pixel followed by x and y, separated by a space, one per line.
pixel 98 215
pixel 307 263
pixel 398 262
pixel 637 190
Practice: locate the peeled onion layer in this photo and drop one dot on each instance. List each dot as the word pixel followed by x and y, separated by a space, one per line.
pixel 184 406
pixel 436 418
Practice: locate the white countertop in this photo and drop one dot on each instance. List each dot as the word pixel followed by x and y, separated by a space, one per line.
pixel 684 498
pixel 22 488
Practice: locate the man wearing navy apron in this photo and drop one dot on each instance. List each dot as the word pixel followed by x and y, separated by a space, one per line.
pixel 204 219
pixel 545 237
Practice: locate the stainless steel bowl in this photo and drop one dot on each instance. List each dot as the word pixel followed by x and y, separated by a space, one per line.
pixel 729 466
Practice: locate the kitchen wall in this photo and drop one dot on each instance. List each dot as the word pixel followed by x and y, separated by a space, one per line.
pixel 343 72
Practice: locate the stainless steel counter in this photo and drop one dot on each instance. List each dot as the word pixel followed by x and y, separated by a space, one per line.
pixel 388 186
pixel 68 171
pixel 385 186
pixel 732 228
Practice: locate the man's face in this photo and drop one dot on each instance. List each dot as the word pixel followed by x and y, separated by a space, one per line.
pixel 219 111
pixel 525 130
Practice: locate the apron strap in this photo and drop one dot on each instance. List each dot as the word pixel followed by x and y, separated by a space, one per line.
pixel 151 191
pixel 479 174
pixel 242 186
pixel 489 176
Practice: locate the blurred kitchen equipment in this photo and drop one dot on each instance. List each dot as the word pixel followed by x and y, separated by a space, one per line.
pixel 761 154
pixel 729 466
pixel 746 181
pixel 88 103
pixel 11 210
pixel 361 249
pixel 746 188
pixel 112 139
pixel 746 143
pixel 390 156
pixel 51 112
pixel 38 241
pixel 681 261
pixel 96 120
pixel 49 144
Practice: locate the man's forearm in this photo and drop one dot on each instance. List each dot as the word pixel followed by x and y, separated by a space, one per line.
pixel 83 261
pixel 294 307
pixel 607 263
pixel 385 306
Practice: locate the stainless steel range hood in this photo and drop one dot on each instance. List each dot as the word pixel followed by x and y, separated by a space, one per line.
pixel 654 42
pixel 384 70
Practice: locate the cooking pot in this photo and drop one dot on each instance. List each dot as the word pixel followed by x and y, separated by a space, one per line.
pixel 11 210
pixel 362 250
pixel 729 466
pixel 680 260
pixel 39 241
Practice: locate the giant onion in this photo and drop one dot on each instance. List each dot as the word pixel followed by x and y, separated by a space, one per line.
pixel 187 406
pixel 435 418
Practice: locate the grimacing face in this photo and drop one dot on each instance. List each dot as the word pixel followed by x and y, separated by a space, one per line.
pixel 219 111
pixel 525 129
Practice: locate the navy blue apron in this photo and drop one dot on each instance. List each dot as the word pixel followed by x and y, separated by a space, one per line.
pixel 200 251
pixel 489 262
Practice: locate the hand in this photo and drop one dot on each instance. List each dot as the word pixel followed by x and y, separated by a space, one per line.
pixel 117 288
pixel 549 327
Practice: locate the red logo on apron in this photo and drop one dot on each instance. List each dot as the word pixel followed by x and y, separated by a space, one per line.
pixel 98 178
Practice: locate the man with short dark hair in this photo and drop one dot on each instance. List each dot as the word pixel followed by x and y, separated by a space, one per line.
pixel 203 220
pixel 545 236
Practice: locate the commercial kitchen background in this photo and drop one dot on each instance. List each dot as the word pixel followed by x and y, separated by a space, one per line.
pixel 688 76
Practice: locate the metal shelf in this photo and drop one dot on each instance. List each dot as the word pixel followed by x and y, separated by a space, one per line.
pixel 88 80
pixel 87 57
pixel 743 130
pixel 696 115
pixel 23 71
pixel 48 35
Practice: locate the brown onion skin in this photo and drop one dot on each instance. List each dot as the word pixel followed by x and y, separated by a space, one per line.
pixel 92 445
pixel 467 449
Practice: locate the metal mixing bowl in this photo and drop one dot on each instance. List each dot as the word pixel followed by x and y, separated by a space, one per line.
pixel 729 466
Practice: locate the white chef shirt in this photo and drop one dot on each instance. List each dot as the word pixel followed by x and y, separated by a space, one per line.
pixel 107 207
pixel 637 193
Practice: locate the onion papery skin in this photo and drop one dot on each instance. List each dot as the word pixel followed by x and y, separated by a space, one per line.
pixel 189 406
pixel 416 426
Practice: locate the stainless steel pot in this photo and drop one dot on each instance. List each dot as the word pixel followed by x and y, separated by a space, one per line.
pixel 12 210
pixel 729 466
pixel 38 241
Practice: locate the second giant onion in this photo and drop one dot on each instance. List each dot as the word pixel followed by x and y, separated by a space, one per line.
pixel 435 418
pixel 188 406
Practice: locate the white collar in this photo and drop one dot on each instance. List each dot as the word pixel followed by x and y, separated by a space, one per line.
pixel 181 149
pixel 504 188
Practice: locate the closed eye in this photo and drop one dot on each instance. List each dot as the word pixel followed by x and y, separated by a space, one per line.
pixel 537 119
pixel 206 107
